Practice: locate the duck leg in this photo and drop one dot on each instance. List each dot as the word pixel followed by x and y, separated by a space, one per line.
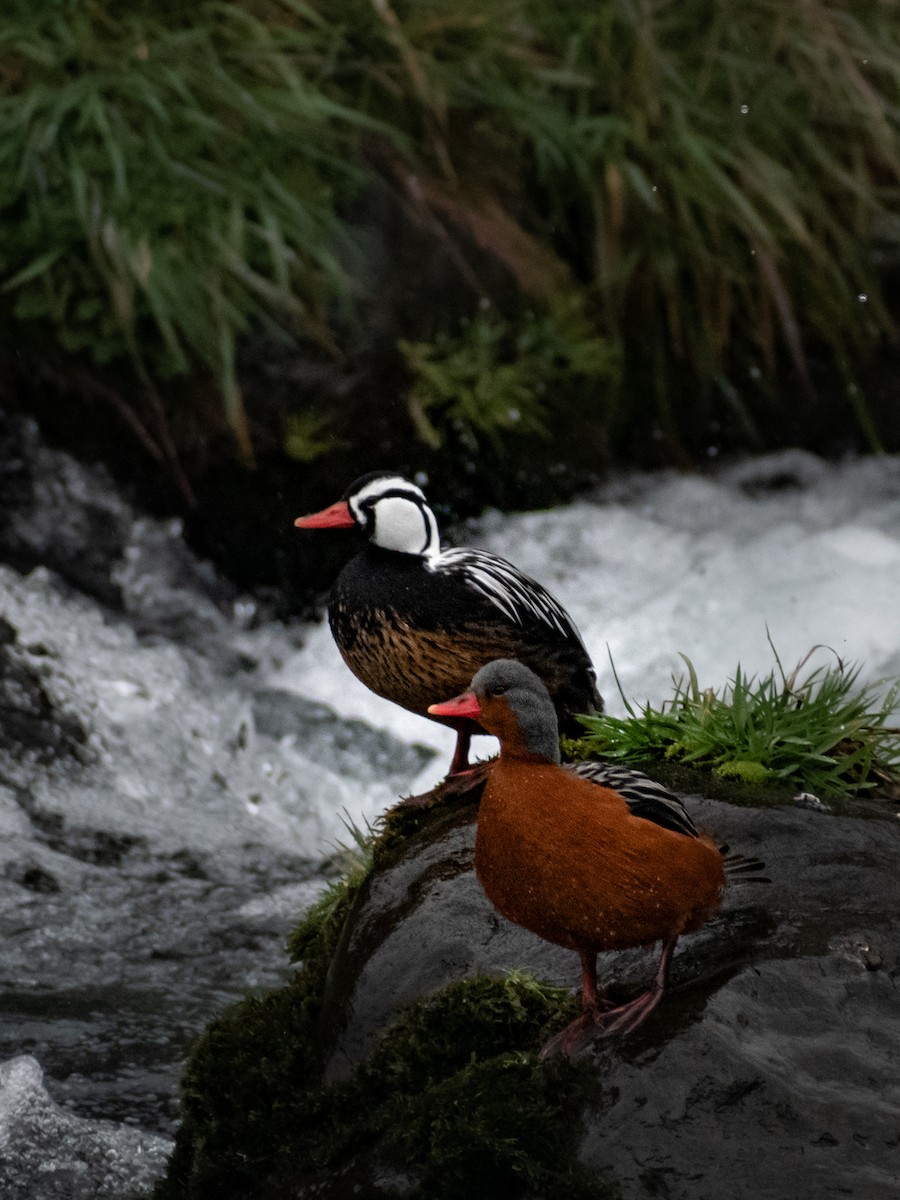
pixel 628 1016
pixel 591 999
pixel 594 1023
pixel 583 1029
pixel 460 760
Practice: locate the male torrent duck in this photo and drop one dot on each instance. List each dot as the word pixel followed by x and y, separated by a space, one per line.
pixel 576 863
pixel 413 621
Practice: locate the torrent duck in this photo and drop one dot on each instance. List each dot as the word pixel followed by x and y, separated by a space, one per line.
pixel 577 862
pixel 413 621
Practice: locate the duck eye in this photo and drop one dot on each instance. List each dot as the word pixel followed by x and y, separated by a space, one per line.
pixel 498 689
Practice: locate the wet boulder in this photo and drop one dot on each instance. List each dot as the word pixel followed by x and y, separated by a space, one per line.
pixel 34 723
pixel 401 1060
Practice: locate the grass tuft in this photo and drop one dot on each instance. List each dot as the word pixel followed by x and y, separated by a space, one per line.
pixel 816 731
pixel 331 908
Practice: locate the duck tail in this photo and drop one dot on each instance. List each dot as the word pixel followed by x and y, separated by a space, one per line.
pixel 740 868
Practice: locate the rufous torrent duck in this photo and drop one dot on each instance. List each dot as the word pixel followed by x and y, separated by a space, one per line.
pixel 570 860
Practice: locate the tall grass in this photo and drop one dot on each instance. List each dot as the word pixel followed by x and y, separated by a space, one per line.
pixel 714 176
pixel 706 183
pixel 165 180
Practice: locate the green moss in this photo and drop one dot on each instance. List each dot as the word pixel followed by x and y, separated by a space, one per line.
pixel 316 935
pixel 453 800
pixel 453 1101
pixel 399 824
pixel 749 772
pixel 253 1076
pixel 469 1108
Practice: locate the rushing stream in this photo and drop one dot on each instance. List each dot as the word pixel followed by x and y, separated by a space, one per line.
pixel 175 771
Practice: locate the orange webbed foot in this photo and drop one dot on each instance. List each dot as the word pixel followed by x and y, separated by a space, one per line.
pixel 596 1024
pixel 573 1039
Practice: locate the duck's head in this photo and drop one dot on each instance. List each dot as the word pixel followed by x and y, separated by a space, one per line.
pixel 508 700
pixel 392 512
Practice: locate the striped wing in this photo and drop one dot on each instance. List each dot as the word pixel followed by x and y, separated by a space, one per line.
pixel 644 796
pixel 651 801
pixel 521 599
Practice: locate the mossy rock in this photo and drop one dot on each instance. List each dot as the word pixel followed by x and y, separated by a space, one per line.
pixel 436 1109
pixel 402 1058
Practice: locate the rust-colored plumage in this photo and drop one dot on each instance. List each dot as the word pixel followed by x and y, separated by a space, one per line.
pixel 568 860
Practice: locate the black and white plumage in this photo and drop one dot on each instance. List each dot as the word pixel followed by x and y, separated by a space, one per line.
pixel 518 597
pixel 414 621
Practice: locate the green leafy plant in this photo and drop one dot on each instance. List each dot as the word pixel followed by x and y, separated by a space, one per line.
pixel 818 731
pixel 307 436
pixel 494 377
pixel 462 381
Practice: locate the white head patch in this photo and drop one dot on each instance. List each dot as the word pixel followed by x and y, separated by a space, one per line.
pixel 397 516
pixel 400 524
pixel 380 487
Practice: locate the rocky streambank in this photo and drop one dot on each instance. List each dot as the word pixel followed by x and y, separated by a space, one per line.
pixel 165 811
pixel 401 1060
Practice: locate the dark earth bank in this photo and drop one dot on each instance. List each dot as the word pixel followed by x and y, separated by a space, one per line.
pixel 237 516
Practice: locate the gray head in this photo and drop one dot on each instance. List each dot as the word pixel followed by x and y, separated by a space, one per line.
pixel 516 707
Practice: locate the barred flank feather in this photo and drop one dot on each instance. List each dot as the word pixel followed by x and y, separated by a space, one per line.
pixel 739 868
pixel 644 796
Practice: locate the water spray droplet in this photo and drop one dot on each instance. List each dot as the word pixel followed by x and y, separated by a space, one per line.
pixel 745 108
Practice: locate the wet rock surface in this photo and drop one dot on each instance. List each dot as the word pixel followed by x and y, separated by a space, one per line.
pixel 770 1069
pixel 783 1081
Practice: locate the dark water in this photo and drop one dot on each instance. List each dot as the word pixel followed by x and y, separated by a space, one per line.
pixel 107 984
